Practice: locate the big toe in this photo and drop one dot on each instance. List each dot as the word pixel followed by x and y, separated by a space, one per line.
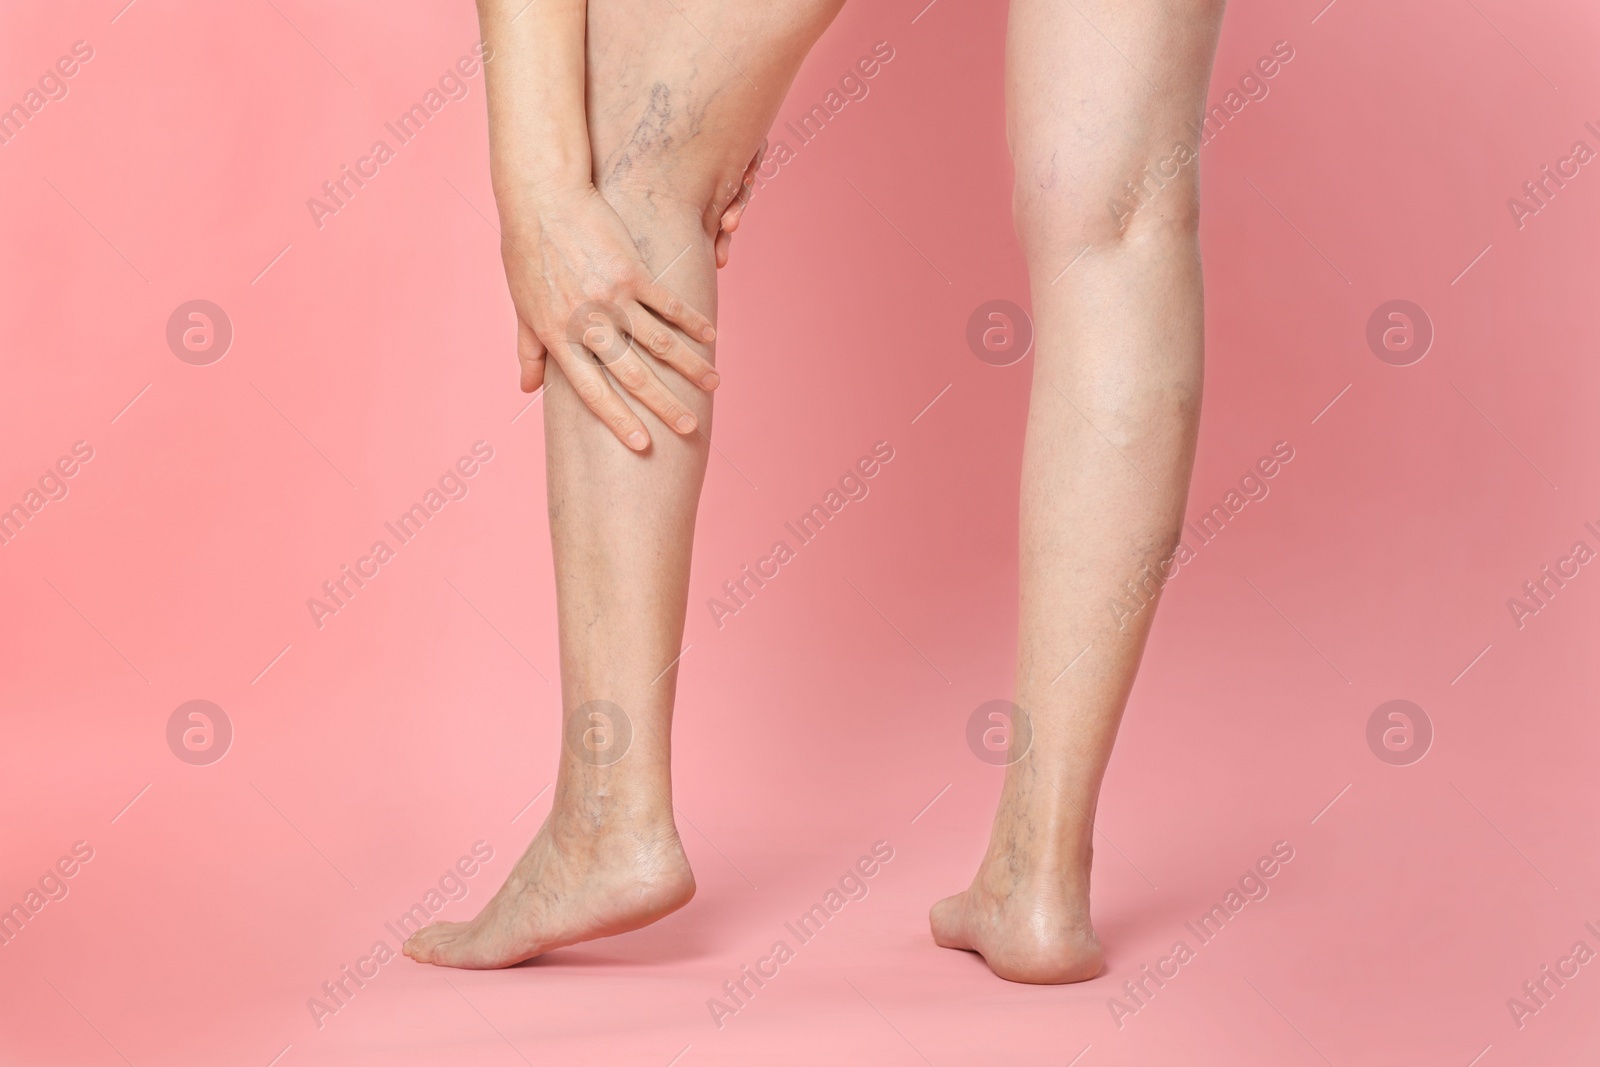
pixel 423 946
pixel 947 920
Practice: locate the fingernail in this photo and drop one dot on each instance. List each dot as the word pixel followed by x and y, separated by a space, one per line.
pixel 709 334
pixel 637 440
pixel 711 380
pixel 685 423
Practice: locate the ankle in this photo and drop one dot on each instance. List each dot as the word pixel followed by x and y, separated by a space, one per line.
pixel 1043 835
pixel 1040 848
pixel 1043 868
pixel 580 814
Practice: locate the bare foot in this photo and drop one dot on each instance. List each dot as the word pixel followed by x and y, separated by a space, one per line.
pixel 575 883
pixel 1027 910
pixel 1028 928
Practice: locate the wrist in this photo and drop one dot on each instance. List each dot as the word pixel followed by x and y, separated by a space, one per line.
pixel 530 184
pixel 526 203
pixel 539 164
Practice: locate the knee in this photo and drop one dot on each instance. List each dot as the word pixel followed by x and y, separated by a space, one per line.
pixel 661 165
pixel 1148 196
pixel 681 190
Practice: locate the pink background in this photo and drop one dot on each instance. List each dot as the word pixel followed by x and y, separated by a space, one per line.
pixel 371 754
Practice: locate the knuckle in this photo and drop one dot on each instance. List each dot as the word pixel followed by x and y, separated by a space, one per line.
pixel 660 342
pixel 589 390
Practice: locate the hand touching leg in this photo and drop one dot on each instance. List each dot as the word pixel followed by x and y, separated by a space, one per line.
pixel 673 127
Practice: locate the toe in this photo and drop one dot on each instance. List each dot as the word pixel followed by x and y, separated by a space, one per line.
pixel 947 920
pixel 478 950
pixel 423 945
pixel 459 950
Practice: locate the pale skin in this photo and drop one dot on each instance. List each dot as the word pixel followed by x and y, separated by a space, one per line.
pixel 622 144
pixel 643 167
pixel 1111 434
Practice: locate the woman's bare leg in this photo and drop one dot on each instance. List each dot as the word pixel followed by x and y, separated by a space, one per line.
pixel 1111 431
pixel 672 125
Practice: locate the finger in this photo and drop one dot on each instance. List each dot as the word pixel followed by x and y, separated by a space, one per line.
pixel 733 214
pixel 735 211
pixel 665 302
pixel 531 355
pixel 724 246
pixel 636 376
pixel 661 341
pixel 589 381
